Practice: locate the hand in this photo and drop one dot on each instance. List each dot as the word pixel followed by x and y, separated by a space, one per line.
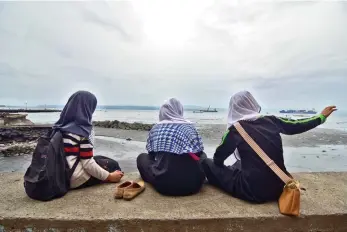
pixel 115 176
pixel 328 110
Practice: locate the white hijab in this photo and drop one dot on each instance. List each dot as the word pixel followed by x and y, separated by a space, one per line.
pixel 243 106
pixel 172 112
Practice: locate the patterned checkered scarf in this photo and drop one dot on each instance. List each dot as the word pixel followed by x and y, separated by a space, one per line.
pixel 174 138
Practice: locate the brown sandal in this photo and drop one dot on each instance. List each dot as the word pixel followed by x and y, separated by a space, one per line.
pixel 120 189
pixel 135 189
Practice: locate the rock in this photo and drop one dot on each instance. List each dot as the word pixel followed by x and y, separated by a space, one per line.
pixel 22 134
pixel 123 125
pixel 18 149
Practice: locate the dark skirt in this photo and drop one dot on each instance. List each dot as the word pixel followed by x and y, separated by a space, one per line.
pixel 255 187
pixel 171 174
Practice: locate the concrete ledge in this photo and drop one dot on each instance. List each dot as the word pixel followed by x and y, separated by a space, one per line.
pixel 324 209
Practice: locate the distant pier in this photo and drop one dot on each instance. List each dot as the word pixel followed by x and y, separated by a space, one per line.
pixel 29 110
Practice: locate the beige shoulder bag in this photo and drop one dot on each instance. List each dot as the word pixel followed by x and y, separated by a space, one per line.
pixel 289 202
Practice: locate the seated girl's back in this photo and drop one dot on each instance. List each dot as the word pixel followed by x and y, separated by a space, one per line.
pixel 174 147
pixel 171 144
pixel 75 123
pixel 250 178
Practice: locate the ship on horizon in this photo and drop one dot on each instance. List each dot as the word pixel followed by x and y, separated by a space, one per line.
pixel 313 111
pixel 206 111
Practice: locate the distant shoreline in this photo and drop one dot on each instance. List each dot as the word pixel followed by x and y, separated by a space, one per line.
pixel 106 107
pixel 11 111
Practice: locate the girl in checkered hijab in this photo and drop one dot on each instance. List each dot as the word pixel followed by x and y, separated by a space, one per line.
pixel 174 147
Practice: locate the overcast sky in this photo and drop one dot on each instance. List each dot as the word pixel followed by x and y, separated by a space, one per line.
pixel 289 54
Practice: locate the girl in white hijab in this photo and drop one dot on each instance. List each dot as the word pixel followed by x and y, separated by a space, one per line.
pixel 250 178
pixel 243 107
pixel 172 112
pixel 174 148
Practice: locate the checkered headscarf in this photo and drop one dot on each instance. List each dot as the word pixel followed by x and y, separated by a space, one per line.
pixel 174 138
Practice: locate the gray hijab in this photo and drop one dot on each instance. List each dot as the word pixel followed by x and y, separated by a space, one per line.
pixel 76 116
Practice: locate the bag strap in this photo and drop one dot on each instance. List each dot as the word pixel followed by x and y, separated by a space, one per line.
pixel 269 162
pixel 74 166
pixel 51 132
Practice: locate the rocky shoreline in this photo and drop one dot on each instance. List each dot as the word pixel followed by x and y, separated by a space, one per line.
pixel 18 140
pixel 17 149
pixel 21 139
pixel 123 125
pixel 15 140
pixel 20 134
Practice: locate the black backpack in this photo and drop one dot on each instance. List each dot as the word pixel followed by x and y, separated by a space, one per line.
pixel 48 175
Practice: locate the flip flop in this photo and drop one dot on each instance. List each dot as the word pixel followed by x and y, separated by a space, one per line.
pixel 135 189
pixel 120 189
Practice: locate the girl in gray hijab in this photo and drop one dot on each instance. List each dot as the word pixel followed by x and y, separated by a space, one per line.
pixel 75 123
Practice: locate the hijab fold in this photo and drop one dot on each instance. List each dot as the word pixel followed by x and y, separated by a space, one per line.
pixel 172 112
pixel 76 117
pixel 243 107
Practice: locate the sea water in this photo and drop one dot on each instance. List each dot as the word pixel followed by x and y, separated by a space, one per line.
pixel 337 121
pixel 297 159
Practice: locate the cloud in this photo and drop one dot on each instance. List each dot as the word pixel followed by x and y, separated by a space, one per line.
pixel 93 17
pixel 290 54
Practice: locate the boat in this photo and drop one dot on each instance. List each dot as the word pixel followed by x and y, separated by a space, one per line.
pixel 313 111
pixel 206 111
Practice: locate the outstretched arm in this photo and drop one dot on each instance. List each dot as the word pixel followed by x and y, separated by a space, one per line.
pixel 291 127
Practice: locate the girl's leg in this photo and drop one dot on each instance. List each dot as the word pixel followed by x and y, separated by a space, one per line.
pixel 228 179
pixel 106 163
pixel 91 182
pixel 144 163
pixel 220 176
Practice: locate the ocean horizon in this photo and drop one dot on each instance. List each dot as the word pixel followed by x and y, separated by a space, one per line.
pixel 111 107
pixel 150 116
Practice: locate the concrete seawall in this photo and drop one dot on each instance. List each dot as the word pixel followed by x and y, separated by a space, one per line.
pixel 323 208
